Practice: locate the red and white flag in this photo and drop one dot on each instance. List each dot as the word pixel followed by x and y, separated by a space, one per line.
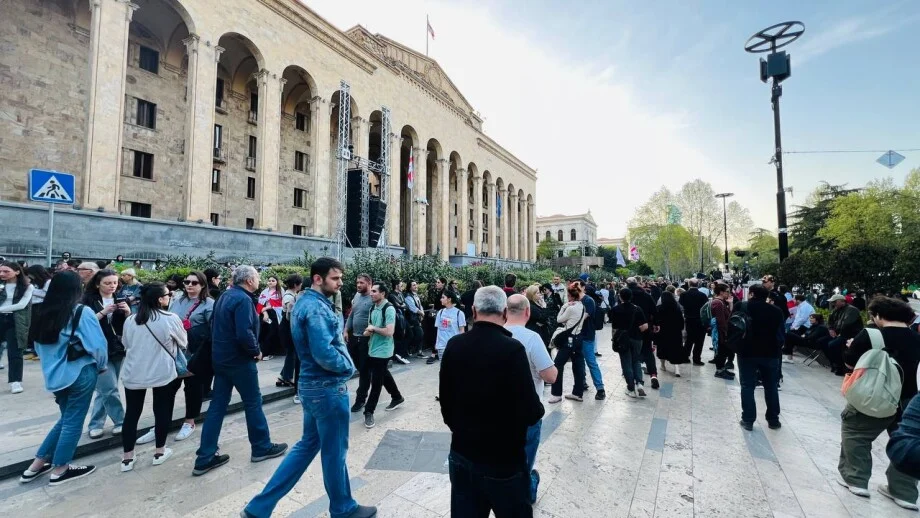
pixel 410 175
pixel 430 30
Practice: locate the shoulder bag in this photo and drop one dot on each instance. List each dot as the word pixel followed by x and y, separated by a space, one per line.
pixel 621 336
pixel 565 338
pixel 181 365
pixel 187 322
pixel 75 349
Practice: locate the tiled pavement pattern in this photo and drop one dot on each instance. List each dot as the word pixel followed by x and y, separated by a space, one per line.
pixel 680 452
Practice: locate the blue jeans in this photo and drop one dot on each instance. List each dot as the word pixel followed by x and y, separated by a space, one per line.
pixel 245 379
pixel 748 369
pixel 61 442
pixel 715 334
pixel 589 347
pixel 476 489
pixel 325 429
pixel 108 398
pixel 631 364
pixel 530 449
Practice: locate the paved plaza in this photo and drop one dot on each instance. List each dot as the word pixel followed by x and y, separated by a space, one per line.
pixel 678 453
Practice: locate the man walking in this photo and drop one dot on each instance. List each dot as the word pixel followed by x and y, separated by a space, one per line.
pixel 361 306
pixel 759 356
pixel 542 370
pixel 380 331
pixel 234 353
pixel 488 465
pixel 693 301
pixel 589 340
pixel 644 301
pixel 721 312
pixel 325 367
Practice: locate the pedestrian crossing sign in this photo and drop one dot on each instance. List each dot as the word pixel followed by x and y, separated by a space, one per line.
pixel 51 187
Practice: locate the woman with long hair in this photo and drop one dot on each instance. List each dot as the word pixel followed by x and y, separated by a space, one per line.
pixel 290 371
pixel 537 320
pixel 669 338
pixel 111 313
pixel 15 298
pixel 71 376
pixel 269 307
pixel 39 278
pixel 571 318
pixel 154 338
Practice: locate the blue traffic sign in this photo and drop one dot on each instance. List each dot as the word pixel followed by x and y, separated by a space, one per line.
pixel 51 187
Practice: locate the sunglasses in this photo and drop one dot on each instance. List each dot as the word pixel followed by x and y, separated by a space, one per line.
pixel 190 283
pixel 167 294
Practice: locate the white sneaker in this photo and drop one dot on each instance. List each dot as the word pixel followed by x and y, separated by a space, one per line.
pixel 883 489
pixel 554 399
pixel 631 393
pixel 116 430
pixel 16 387
pixel 402 360
pixel 127 465
pixel 161 458
pixel 676 371
pixel 185 431
pixel 296 400
pixel 858 491
pixel 148 437
pixel 95 434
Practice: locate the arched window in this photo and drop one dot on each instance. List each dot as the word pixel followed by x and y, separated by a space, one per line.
pixel 559 236
pixel 573 235
pixel 538 237
pixel 548 235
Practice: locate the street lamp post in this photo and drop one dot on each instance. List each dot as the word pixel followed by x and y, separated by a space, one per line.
pixel 778 67
pixel 725 195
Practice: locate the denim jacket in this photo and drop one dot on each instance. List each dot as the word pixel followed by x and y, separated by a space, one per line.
pixel 904 444
pixel 317 334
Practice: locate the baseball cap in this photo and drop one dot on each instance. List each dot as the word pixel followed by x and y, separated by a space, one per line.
pixel 837 297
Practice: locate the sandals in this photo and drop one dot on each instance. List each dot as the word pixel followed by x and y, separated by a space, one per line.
pixel 283 383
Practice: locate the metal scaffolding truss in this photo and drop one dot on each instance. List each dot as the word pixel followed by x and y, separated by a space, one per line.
pixel 344 156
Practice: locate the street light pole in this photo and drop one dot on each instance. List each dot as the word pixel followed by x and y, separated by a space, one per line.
pixel 725 195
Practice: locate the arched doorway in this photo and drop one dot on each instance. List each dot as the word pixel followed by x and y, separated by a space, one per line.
pixel 433 195
pixel 408 141
pixel 296 182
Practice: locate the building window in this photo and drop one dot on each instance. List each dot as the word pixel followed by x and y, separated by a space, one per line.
pixel 573 234
pixel 215 219
pixel 251 188
pixel 215 180
pixel 559 236
pixel 538 237
pixel 149 60
pixel 253 146
pixel 300 121
pixel 143 165
pixel 300 161
pixel 146 114
pixel 250 223
pixel 300 230
pixel 299 195
pixel 140 210
pixel 548 235
pixel 254 107
pixel 219 94
pixel 218 136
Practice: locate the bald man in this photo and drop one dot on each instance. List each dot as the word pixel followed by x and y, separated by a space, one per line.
pixel 542 370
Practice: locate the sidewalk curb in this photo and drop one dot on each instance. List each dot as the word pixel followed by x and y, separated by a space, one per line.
pixel 109 442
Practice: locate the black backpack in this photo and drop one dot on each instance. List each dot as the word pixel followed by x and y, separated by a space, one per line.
pixel 738 326
pixel 600 317
pixel 399 325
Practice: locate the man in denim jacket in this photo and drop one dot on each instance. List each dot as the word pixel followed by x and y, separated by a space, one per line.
pixel 325 367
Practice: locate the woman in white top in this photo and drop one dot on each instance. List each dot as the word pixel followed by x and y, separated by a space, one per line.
pixel 153 338
pixel 15 296
pixel 571 317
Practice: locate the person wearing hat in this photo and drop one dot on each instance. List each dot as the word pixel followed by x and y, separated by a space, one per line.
pixel 844 323
pixel 130 288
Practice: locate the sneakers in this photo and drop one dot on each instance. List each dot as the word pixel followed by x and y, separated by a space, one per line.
pixel 601 395
pixel 774 425
pixel 746 425
pixel 116 430
pixel 95 434
pixel 788 359
pixel 296 400
pixel 554 399
pixel 655 383
pixel 640 391
pixel 698 363
pixel 573 397
pixel 431 359
pixel 357 407
pixel 369 421
pixel 185 431
pixel 148 437
pixel 394 404
pixel 400 359
pixel 29 475
pixel 160 458
pixel 883 489
pixel 215 462
pixel 858 491
pixel 276 450
pixel 127 465
pixel 420 354
pixel 364 511
pixel 724 374
pixel 16 387
pixel 730 366
pixel 72 473
pixel 632 393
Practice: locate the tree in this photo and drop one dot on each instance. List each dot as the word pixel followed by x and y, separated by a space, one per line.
pixel 547 249
pixel 808 220
pixel 740 224
pixel 654 212
pixel 701 212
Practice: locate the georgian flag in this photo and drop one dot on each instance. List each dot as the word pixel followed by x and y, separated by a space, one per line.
pixel 430 30
pixel 633 253
pixel 410 175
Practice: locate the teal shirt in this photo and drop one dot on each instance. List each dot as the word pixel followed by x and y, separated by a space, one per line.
pixel 380 346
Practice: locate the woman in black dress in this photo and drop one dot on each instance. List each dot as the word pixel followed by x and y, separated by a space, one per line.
pixel 669 337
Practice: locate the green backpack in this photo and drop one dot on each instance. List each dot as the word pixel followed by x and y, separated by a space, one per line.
pixel 706 313
pixel 874 387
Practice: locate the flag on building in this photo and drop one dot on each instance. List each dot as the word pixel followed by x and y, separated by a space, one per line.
pixel 410 175
pixel 498 205
pixel 430 30
pixel 633 253
pixel 620 260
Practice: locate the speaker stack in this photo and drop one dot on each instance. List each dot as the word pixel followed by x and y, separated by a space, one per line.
pixel 365 214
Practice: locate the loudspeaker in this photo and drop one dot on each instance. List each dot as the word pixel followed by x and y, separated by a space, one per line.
pixel 354 208
pixel 377 216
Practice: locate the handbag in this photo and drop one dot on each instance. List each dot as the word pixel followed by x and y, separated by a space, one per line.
pixel 186 322
pixel 565 338
pixel 621 336
pixel 181 365
pixel 75 349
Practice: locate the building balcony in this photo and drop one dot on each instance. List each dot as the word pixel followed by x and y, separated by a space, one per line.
pixel 250 163
pixel 220 106
pixel 220 155
pixel 253 117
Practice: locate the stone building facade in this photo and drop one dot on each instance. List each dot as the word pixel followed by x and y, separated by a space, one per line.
pixel 226 111
pixel 573 233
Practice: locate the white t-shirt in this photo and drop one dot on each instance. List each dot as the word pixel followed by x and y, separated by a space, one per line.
pixel 536 354
pixel 448 322
pixel 107 301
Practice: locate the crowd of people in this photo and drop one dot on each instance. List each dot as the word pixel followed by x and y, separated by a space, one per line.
pixel 94 329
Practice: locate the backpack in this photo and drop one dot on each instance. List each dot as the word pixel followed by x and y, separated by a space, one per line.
pixel 706 313
pixel 399 324
pixel 874 387
pixel 738 324
pixel 600 318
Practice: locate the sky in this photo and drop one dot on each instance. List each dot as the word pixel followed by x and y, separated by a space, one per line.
pixel 613 99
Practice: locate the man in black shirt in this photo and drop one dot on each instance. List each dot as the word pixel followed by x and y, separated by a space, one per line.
pixel 692 301
pixel 759 355
pixel 644 301
pixel 488 402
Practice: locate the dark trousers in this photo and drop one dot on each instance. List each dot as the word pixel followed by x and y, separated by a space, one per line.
pixel 793 339
pixel 164 399
pixel 858 431
pixel 722 356
pixel 477 489
pixel 767 369
pixel 696 337
pixel 414 338
pixel 13 352
pixel 357 347
pixel 563 355
pixel 194 395
pixel 834 352
pixel 380 377
pixel 648 356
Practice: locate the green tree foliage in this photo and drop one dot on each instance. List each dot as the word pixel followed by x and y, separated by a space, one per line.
pixel 547 249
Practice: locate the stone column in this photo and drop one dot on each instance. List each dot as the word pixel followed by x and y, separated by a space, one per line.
pixel 443 208
pixel 477 214
pixel 359 136
pixel 323 195
pixel 199 127
pixel 394 208
pixel 269 149
pixel 105 119
pixel 463 223
pixel 532 224
pixel 505 224
pixel 420 225
pixel 493 243
pixel 513 207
